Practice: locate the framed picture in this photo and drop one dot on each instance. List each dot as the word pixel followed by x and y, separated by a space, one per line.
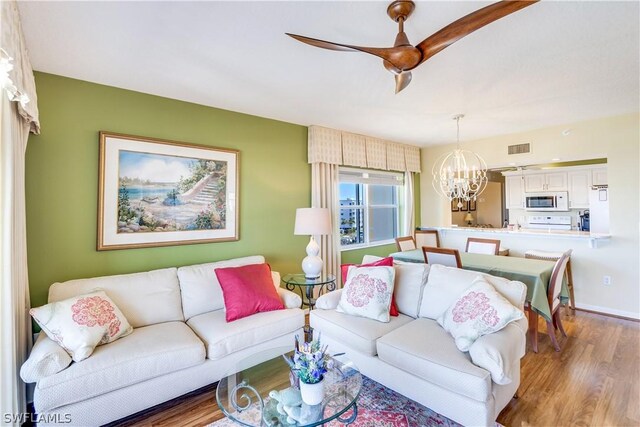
pixel 472 205
pixel 454 205
pixel 465 206
pixel 154 192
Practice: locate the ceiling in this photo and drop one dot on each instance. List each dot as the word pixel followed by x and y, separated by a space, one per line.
pixel 549 64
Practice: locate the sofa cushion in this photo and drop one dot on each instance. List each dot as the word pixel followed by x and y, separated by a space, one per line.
pixel 361 333
pixel 446 284
pixel 425 350
pixel 222 338
pixel 149 352
pixel 144 298
pixel 201 291
pixel 410 280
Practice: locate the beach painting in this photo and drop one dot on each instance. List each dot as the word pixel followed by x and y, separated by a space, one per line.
pixel 158 193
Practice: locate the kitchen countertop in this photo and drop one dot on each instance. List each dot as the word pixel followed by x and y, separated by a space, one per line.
pixel 527 232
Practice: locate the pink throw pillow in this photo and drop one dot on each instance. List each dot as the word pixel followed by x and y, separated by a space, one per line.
pixel 248 290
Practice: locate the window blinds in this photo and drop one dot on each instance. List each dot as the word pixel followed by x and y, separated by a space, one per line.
pixel 358 176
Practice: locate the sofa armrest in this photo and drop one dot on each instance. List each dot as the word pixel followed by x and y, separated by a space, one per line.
pixel 289 299
pixel 329 301
pixel 46 358
pixel 500 352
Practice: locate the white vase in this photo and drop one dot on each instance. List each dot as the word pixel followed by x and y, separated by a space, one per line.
pixel 312 394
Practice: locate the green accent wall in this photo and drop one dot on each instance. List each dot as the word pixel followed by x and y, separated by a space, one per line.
pixel 62 181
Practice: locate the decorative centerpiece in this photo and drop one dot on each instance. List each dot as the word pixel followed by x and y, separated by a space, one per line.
pixel 310 362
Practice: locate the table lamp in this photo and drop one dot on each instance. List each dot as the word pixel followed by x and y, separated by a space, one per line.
pixel 310 222
pixel 469 218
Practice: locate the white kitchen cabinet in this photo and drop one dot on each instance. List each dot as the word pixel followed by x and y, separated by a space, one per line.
pixel 534 182
pixel 514 192
pixel 556 181
pixel 579 186
pixel 599 176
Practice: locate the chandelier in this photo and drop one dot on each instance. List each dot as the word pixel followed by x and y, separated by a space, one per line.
pixel 460 174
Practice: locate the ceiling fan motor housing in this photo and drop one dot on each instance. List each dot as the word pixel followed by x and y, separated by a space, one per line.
pixel 400 9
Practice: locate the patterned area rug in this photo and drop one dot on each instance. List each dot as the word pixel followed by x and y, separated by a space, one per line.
pixel 379 406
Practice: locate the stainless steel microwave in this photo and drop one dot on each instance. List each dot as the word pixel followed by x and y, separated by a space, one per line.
pixel 547 201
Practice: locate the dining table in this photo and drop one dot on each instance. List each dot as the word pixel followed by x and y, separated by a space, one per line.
pixel 535 274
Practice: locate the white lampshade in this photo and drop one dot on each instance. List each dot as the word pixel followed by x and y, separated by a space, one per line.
pixel 310 221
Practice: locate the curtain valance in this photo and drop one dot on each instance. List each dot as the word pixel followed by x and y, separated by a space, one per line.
pixel 343 148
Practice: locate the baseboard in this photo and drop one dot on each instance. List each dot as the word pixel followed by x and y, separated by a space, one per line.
pixel 620 314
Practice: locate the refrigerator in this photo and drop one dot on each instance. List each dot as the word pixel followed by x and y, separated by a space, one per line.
pixel 599 210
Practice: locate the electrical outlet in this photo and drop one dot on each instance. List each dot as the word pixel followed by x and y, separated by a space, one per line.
pixel 606 280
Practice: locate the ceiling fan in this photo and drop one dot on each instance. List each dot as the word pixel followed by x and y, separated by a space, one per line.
pixel 404 57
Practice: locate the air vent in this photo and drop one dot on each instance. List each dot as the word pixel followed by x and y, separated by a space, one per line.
pixel 520 148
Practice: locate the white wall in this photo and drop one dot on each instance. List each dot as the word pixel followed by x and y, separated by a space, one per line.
pixel 617 139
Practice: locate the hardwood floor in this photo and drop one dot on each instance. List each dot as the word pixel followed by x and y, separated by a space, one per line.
pixel 593 381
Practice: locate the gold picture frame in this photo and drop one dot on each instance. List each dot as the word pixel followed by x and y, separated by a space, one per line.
pixel 154 192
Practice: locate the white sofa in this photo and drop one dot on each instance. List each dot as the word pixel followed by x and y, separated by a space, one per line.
pixel 415 356
pixel 180 342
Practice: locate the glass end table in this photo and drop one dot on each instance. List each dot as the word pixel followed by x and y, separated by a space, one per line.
pixel 243 395
pixel 306 287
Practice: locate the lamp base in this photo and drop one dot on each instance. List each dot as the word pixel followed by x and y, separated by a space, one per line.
pixel 312 267
pixel 312 263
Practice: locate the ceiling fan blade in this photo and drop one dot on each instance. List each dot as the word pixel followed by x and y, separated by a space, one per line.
pixel 386 53
pixel 402 80
pixel 468 24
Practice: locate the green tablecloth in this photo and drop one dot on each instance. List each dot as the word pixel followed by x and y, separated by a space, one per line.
pixel 533 273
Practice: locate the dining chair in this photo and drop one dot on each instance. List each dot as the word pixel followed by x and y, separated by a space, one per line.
pixel 483 246
pixel 442 256
pixel 553 297
pixel 555 256
pixel 427 238
pixel 405 243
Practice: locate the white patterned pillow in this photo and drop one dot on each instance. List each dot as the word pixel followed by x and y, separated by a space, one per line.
pixel 367 292
pixel 81 323
pixel 480 310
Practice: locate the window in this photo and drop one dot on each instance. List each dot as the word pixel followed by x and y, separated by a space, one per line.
pixel 369 207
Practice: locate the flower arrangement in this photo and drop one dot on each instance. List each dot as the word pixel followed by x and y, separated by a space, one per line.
pixel 310 361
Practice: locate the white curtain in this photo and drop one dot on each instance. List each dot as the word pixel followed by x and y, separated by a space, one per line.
pixel 324 194
pixel 409 198
pixel 18 116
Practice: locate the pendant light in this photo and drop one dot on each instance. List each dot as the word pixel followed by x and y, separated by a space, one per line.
pixel 460 174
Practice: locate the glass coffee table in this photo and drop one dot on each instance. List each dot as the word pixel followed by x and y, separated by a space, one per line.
pixel 243 396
